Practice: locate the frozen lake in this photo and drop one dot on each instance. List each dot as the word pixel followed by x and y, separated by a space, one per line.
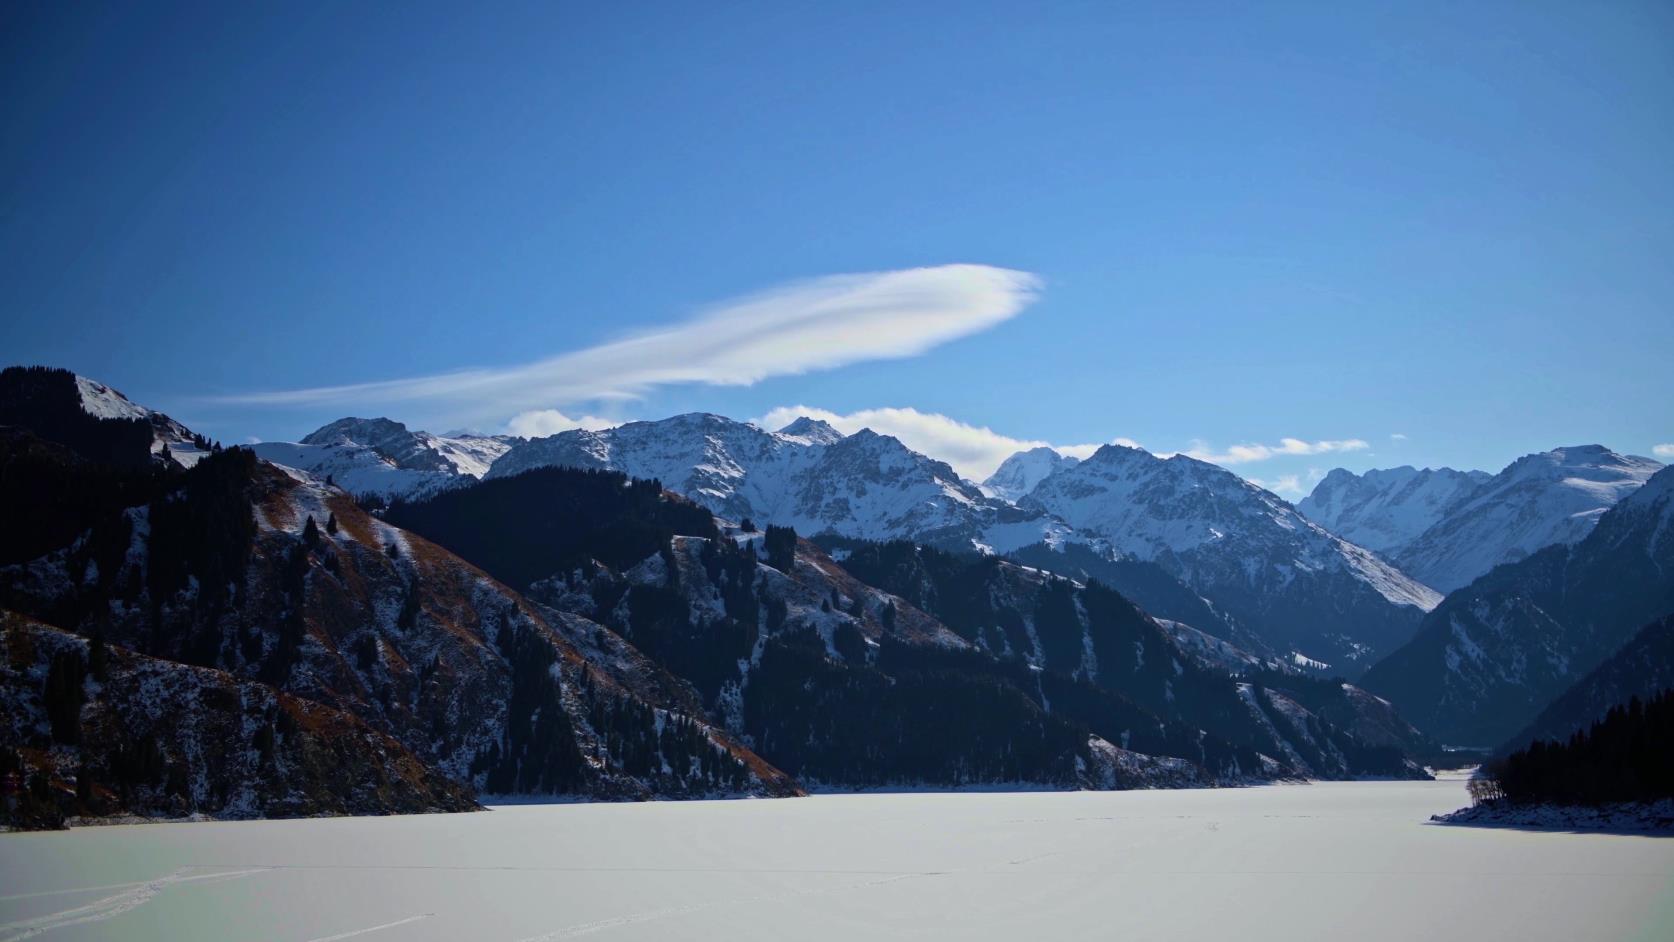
pixel 1351 860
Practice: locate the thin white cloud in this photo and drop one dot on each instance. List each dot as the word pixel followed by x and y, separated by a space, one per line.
pixel 1244 454
pixel 1397 437
pixel 1283 485
pixel 818 324
pixel 974 451
pixel 1663 451
pixel 539 423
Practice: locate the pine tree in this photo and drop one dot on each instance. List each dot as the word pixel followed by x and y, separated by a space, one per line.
pixel 331 524
pixel 311 532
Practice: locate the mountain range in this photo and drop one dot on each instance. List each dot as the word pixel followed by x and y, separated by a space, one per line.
pixel 1448 527
pixel 1498 650
pixel 698 606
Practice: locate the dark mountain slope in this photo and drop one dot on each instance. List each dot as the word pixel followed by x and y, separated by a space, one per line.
pixel 236 565
pixel 1497 651
pixel 91 729
pixel 1642 668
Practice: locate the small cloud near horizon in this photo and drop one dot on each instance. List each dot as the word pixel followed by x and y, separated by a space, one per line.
pixel 539 423
pixel 1663 451
pixel 1283 485
pixel 1245 454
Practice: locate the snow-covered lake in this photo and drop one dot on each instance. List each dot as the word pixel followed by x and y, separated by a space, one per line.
pixel 1352 860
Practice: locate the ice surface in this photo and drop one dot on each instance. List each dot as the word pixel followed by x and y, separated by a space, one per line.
pixel 1342 860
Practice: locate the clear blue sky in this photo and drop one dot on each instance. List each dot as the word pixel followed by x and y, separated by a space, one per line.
pixel 1324 221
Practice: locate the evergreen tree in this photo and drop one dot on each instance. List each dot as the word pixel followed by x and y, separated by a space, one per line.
pixel 331 524
pixel 780 546
pixel 311 532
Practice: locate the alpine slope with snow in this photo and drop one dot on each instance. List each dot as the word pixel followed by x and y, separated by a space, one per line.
pixel 1497 651
pixel 1385 509
pixel 1556 496
pixel 1018 475
pixel 1297 585
pixel 380 457
pixel 83 411
pixel 806 475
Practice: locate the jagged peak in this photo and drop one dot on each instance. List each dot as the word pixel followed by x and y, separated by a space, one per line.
pixel 814 431
pixel 356 429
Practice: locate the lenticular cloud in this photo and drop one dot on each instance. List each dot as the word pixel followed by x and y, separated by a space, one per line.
pixel 816 324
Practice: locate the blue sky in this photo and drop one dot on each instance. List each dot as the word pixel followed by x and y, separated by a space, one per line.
pixel 1239 224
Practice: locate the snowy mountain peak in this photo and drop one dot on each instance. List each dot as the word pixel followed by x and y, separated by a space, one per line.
pixel 1541 499
pixel 381 456
pixel 812 431
pixel 1384 509
pixel 865 485
pixel 1241 546
pixel 103 402
pixel 1018 475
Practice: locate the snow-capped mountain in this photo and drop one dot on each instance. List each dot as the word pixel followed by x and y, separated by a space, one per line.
pixel 806 475
pixel 80 412
pixel 1498 650
pixel 1292 582
pixel 1385 509
pixel 1552 497
pixel 1018 475
pixel 382 457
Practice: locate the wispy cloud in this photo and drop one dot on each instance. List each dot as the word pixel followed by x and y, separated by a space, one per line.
pixel 539 423
pixel 973 450
pixel 1244 454
pixel 793 328
pixel 1285 485
pixel 1663 451
pixel 1397 436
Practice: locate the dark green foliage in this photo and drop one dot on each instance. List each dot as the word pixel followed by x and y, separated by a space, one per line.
pixel 732 569
pixel 660 624
pixel 747 525
pixel 49 497
pixel 779 546
pixel 951 586
pixel 553 520
pixel 331 524
pixel 311 533
pixel 64 695
pixel 539 752
pixel 1058 625
pixel 204 527
pixel 410 608
pixel 1135 660
pixel 98 657
pixel 48 402
pixel 1145 584
pixel 836 723
pixel 849 642
pixel 1628 755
